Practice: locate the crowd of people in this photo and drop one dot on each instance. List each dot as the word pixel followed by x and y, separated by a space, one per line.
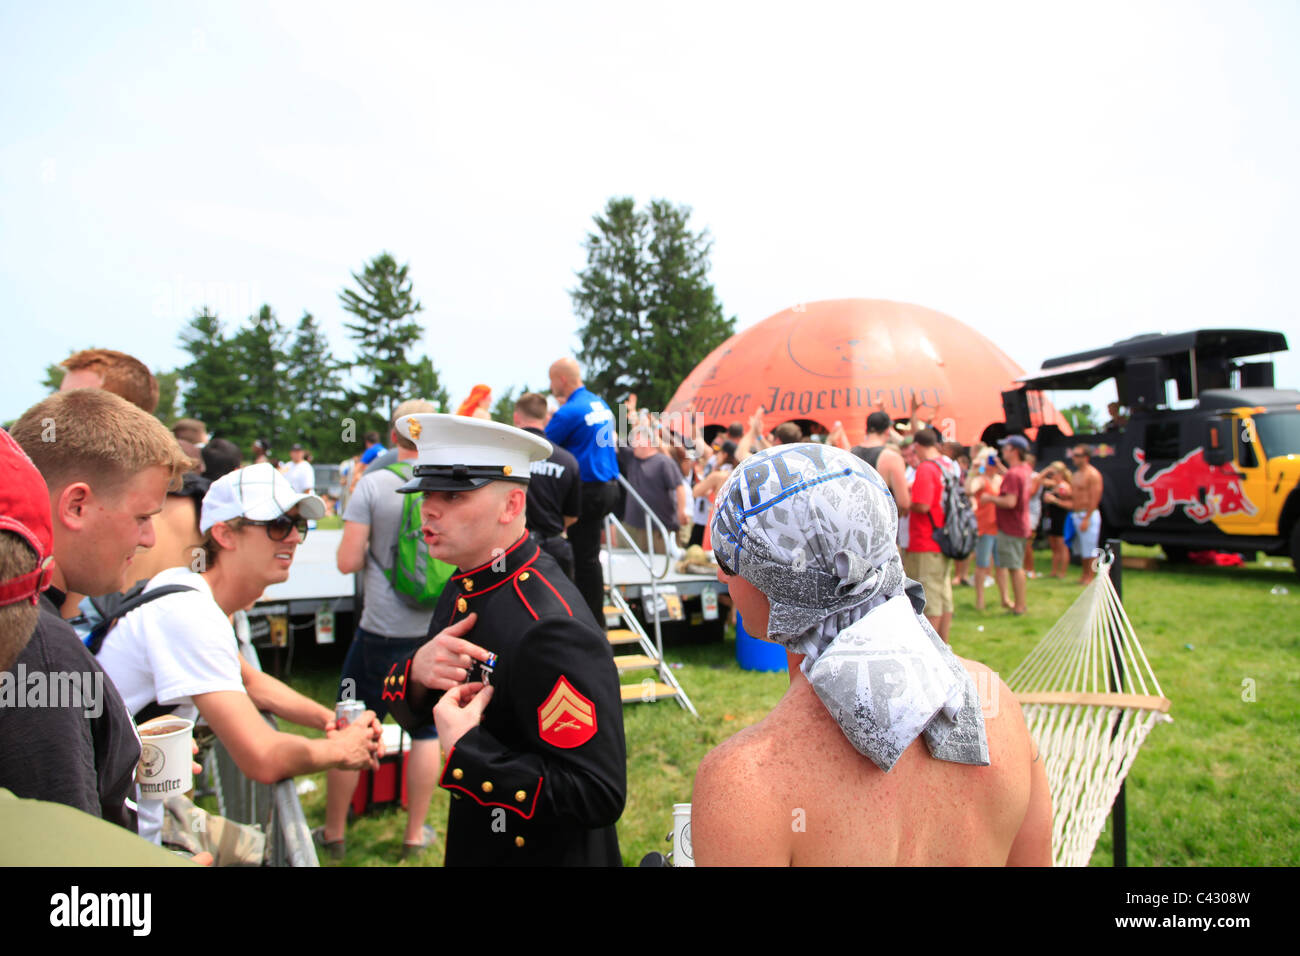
pixel 131 554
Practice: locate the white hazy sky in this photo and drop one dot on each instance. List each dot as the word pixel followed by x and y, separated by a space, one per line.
pixel 1056 175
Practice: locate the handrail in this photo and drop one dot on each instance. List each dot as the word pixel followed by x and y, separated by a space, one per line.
pixel 650 516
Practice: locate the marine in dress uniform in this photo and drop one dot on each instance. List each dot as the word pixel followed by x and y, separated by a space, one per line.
pixel 542 778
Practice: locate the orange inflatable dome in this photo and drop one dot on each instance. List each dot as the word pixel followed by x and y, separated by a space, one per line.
pixel 842 359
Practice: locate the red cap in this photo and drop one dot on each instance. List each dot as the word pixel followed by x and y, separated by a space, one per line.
pixel 25 510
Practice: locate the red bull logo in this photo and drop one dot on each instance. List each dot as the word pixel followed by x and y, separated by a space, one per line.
pixel 1204 490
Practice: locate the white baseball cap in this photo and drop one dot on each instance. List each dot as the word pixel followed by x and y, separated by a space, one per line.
pixel 257 492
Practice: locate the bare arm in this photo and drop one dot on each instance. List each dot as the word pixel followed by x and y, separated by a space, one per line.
pixel 279 698
pixel 352 549
pixel 1033 844
pixel 683 505
pixel 894 472
pixel 569 520
pixel 266 755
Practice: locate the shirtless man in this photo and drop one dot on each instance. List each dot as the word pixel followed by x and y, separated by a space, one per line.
pixel 887 460
pixel 1085 501
pixel 836 774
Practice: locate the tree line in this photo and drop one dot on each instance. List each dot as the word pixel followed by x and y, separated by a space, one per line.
pixel 647 312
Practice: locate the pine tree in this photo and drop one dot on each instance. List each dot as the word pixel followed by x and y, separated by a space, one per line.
pixel 214 384
pixel 315 388
pixel 168 387
pixel 262 405
pixel 648 310
pixel 428 386
pixel 611 300
pixel 385 333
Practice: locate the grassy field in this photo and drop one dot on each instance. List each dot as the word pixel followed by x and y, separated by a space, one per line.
pixel 1217 787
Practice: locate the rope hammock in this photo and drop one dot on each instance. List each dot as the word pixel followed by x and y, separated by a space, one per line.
pixel 1090 699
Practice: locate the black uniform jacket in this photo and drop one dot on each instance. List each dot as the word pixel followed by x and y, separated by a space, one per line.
pixel 543 778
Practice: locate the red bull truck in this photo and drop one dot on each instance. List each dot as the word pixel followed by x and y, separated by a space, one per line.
pixel 1218 470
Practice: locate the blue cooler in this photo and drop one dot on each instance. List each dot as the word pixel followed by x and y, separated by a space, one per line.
pixel 753 654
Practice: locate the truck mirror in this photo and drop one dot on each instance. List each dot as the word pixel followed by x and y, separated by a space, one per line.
pixel 1218 443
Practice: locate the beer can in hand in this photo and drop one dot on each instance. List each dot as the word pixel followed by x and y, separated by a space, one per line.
pixel 346 711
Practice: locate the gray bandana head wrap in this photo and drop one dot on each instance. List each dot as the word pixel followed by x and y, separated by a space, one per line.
pixel 814 529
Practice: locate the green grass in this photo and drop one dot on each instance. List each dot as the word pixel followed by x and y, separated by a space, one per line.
pixel 1217 787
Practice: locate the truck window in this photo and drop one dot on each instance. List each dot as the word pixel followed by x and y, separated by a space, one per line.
pixel 1279 433
pixel 1162 442
pixel 1246 456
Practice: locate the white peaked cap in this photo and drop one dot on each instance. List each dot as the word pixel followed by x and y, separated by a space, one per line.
pixel 458 453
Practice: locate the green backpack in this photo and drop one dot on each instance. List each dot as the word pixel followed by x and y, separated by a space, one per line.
pixel 416 577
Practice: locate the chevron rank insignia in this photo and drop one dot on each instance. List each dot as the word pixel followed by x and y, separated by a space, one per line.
pixel 566 719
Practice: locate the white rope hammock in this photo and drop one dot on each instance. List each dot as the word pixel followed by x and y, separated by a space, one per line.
pixel 1090 699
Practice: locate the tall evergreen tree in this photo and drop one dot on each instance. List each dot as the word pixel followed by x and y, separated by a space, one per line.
pixel 315 386
pixel 168 387
pixel 428 385
pixel 685 317
pixel 214 383
pixel 611 299
pixel 262 405
pixel 648 310
pixel 385 333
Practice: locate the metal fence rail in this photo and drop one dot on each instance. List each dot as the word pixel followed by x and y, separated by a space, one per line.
pixel 274 806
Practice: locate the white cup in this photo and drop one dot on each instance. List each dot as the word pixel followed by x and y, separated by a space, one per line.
pixel 166 757
pixel 683 854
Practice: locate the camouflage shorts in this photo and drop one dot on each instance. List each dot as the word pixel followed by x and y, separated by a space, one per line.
pixel 194 830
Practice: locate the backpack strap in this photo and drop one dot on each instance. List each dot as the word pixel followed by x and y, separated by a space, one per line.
pixel 96 639
pixel 405 474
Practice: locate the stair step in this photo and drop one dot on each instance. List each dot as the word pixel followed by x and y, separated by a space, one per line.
pixel 636 693
pixel 634 662
pixel 621 635
pixel 612 611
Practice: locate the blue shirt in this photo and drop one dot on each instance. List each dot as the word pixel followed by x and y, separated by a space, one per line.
pixel 369 454
pixel 585 426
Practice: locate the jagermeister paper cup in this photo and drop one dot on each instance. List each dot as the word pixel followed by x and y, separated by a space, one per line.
pixel 683 855
pixel 166 757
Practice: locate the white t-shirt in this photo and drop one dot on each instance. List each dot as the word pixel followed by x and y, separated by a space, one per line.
pixel 302 476
pixel 169 650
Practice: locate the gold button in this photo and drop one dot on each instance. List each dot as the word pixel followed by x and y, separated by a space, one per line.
pixel 458 773
pixel 519 841
pixel 524 576
pixel 487 786
pixel 520 796
pixel 462 605
pixel 469 584
pixel 506 470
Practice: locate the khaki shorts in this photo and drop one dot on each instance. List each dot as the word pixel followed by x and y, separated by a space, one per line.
pixel 1009 552
pixel 934 571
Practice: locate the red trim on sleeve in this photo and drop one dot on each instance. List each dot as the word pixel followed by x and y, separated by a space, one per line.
pixel 532 809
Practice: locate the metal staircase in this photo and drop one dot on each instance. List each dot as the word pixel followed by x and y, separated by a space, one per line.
pixel 628 633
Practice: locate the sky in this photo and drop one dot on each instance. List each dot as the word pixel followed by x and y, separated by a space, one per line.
pixel 1058 176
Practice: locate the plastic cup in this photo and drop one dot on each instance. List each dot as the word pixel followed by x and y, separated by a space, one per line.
pixel 166 757
pixel 683 854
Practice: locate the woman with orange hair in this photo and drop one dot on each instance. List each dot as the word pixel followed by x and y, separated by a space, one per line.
pixel 478 403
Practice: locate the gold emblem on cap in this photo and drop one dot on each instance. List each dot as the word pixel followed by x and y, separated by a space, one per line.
pixel 519 841
pixel 520 796
pixel 458 773
pixel 487 786
pixel 462 605
pixel 506 469
pixel 414 425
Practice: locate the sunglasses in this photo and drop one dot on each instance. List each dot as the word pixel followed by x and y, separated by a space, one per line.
pixel 277 529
